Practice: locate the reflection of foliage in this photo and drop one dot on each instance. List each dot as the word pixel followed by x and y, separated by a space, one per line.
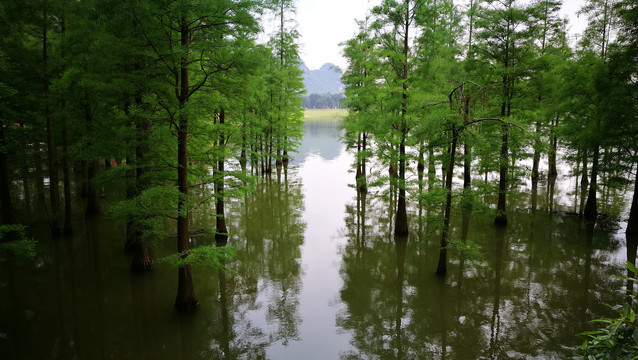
pixel 544 276
pixel 14 239
pixel 210 256
pixel 270 231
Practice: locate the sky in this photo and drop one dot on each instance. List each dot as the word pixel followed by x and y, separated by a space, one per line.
pixel 324 24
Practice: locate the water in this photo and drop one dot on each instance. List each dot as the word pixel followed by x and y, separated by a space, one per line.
pixel 318 275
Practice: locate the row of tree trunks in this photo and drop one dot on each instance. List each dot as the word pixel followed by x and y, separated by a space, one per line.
pixel 185 300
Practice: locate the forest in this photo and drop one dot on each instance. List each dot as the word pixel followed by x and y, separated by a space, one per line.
pixel 148 112
pixel 178 94
pixel 493 90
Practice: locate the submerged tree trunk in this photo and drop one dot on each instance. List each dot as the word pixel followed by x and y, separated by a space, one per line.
pixel 584 180
pixel 591 208
pixel 39 180
pixel 501 217
pixel 442 266
pixel 222 231
pixel 632 223
pixel 431 168
pixel 54 196
pixel 141 261
pixel 5 182
pixel 185 300
pixel 93 200
pixel 66 166
pixel 401 220
pixel 467 167
pixel 552 171
pixel 537 155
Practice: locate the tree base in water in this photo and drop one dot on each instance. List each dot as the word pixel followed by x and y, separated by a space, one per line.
pixel 501 220
pixel 186 305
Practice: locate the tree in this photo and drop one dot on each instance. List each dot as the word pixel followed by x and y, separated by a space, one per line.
pixel 189 42
pixel 361 93
pixel 393 25
pixel 502 46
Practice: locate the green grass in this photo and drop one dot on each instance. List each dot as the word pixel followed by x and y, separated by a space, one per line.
pixel 325 114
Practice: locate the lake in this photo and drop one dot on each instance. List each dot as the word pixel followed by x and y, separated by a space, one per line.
pixel 319 275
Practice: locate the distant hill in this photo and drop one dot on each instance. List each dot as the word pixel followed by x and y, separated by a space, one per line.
pixel 326 80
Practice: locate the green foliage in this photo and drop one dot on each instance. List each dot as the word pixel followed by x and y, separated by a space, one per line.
pixel 618 336
pixel 14 239
pixel 469 250
pixel 214 257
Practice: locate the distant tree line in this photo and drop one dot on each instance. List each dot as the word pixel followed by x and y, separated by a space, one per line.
pixel 323 101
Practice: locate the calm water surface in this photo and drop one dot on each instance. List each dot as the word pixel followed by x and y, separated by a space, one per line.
pixel 318 275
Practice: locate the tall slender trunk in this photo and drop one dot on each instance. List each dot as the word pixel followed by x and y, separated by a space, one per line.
pixel 5 182
pixel 584 180
pixel 442 265
pixel 431 168
pixel 537 155
pixel 501 217
pixel 141 261
pixel 632 223
pixel 552 171
pixel 591 208
pixel 222 231
pixel 66 166
pixel 93 206
pixel 401 220
pixel 467 167
pixel 185 300
pixel 364 186
pixel 467 157
pixel 54 189
pixel 420 169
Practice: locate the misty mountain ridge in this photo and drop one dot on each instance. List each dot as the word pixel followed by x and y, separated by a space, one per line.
pixel 325 80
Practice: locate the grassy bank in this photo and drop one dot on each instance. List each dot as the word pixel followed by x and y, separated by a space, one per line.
pixel 325 114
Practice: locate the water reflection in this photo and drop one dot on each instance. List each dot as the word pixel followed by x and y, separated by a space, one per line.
pixel 312 281
pixel 538 288
pixel 321 137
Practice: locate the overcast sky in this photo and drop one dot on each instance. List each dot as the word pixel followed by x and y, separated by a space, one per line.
pixel 324 24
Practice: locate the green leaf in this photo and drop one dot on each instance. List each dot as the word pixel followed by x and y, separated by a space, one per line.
pixel 593 332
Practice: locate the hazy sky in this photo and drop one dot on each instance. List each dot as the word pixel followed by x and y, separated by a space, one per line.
pixel 324 24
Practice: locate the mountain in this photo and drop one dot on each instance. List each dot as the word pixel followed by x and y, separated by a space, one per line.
pixel 326 80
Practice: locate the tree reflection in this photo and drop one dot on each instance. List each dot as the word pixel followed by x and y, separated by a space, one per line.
pixel 268 231
pixel 536 291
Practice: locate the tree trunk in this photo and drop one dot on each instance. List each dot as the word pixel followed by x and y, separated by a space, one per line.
pixel 431 168
pixel 39 181
pixel 54 189
pixel 5 181
pixel 501 217
pixel 66 166
pixel 93 200
pixel 222 231
pixel 401 220
pixel 584 180
pixel 141 261
pixel 591 209
pixel 537 155
pixel 185 300
pixel 420 169
pixel 632 223
pixel 552 171
pixel 442 266
pixel 467 167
